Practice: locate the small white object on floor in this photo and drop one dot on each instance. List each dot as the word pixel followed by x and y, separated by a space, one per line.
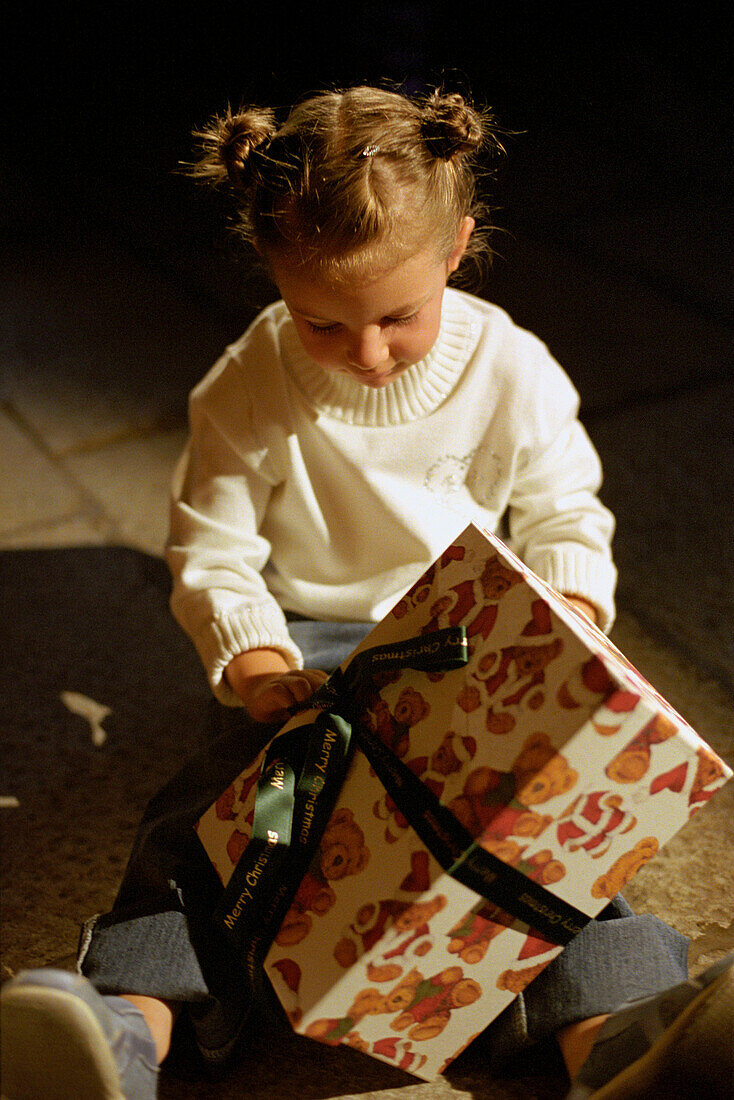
pixel 95 713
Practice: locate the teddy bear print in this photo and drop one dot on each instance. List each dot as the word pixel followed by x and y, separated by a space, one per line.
pixel 480 596
pixel 230 806
pixel 393 727
pixel 334 1030
pixel 540 622
pixel 592 822
pixel 427 1003
pixel 341 852
pixel 541 867
pixel 515 980
pixel 449 758
pixel 633 762
pixel 470 697
pixel 409 920
pixel 392 1048
pixel 541 771
pixel 489 795
pixel 370 924
pixel 708 776
pixel 232 801
pixel 313 896
pixel 524 666
pixel 500 804
pixel 625 868
pixel 471 936
pixel 613 712
pixel 586 686
pixel 413 928
pixel 423 1005
pixel 368 1002
pixel 238 841
pixel 400 1051
pixel 374 919
pixel 422 588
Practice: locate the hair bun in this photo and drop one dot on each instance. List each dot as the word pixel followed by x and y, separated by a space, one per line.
pixel 450 127
pixel 227 142
pixel 240 135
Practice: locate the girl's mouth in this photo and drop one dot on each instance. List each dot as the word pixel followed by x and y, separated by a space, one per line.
pixel 376 379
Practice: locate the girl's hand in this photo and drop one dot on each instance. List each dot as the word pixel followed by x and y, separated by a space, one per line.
pixel 267 686
pixel 586 608
pixel 270 695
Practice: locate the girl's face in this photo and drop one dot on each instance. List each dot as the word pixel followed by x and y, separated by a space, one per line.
pixel 372 327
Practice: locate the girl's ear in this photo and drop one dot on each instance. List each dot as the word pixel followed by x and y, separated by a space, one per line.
pixel 462 240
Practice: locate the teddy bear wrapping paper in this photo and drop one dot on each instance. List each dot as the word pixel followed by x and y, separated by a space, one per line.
pixel 548 747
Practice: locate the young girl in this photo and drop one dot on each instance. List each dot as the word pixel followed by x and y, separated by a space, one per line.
pixel 365 418
pixel 336 449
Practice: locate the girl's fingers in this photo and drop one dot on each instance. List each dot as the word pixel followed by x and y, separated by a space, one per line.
pixel 304 683
pixel 283 691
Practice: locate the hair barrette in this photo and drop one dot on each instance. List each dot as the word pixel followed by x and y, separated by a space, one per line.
pixel 370 150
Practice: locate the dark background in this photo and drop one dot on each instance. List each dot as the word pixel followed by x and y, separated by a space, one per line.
pixel 613 206
pixel 620 112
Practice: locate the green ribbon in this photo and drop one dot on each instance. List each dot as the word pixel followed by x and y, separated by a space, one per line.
pixel 300 780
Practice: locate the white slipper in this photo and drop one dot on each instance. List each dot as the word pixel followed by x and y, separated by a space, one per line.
pixel 61 1040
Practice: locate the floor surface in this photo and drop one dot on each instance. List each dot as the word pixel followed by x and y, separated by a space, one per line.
pixel 98 350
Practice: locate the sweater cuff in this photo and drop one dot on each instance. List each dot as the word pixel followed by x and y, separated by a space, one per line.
pixel 260 627
pixel 574 572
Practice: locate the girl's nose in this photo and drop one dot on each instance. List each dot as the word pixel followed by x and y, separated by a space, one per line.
pixel 368 349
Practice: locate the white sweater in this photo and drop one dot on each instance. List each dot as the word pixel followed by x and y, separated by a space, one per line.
pixel 302 490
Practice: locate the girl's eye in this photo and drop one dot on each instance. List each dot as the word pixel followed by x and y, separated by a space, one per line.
pixel 325 330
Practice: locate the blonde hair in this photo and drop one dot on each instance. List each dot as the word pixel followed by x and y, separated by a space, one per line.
pixel 351 176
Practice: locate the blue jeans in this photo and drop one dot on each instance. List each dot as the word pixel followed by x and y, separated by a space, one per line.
pixel 159 939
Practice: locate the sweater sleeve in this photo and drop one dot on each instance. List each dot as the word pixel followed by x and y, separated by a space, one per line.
pixel 557 523
pixel 221 489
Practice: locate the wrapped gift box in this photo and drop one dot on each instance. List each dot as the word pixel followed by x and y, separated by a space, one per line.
pixel 547 747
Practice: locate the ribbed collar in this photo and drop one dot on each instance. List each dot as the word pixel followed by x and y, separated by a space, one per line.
pixel 412 395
